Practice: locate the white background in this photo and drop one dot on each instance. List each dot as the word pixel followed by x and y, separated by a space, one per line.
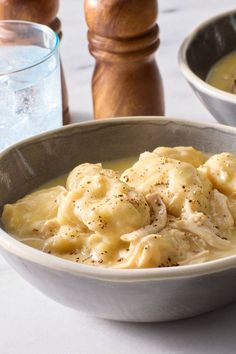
pixel 30 323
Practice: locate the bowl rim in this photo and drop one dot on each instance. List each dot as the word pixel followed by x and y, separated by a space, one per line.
pixel 194 79
pixel 11 245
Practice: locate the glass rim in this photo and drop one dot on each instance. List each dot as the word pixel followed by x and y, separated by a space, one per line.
pixel 44 58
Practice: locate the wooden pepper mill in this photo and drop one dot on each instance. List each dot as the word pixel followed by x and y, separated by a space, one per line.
pixel 123 37
pixel 40 11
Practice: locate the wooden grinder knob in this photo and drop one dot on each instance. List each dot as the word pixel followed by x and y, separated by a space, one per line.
pixel 40 11
pixel 123 37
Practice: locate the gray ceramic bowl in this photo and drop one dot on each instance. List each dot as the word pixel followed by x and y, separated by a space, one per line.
pixel 139 295
pixel 207 44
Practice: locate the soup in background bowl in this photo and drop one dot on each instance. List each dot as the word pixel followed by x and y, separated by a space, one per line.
pixel 206 45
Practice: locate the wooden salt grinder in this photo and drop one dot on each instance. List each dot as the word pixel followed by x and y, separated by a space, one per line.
pixel 40 11
pixel 123 37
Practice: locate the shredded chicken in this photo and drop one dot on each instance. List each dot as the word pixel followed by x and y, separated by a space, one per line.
pixel 221 214
pixel 200 224
pixel 158 224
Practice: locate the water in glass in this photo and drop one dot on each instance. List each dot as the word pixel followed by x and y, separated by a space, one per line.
pixel 30 99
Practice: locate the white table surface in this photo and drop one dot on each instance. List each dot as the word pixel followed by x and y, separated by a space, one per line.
pixel 30 323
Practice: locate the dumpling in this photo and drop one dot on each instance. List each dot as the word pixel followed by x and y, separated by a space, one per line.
pixel 151 251
pixel 103 203
pixel 175 182
pixel 66 211
pixel 182 153
pixel 220 169
pixel 35 214
pixel 67 239
pixel 82 174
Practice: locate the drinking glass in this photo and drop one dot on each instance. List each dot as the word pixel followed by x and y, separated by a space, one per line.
pixel 30 84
